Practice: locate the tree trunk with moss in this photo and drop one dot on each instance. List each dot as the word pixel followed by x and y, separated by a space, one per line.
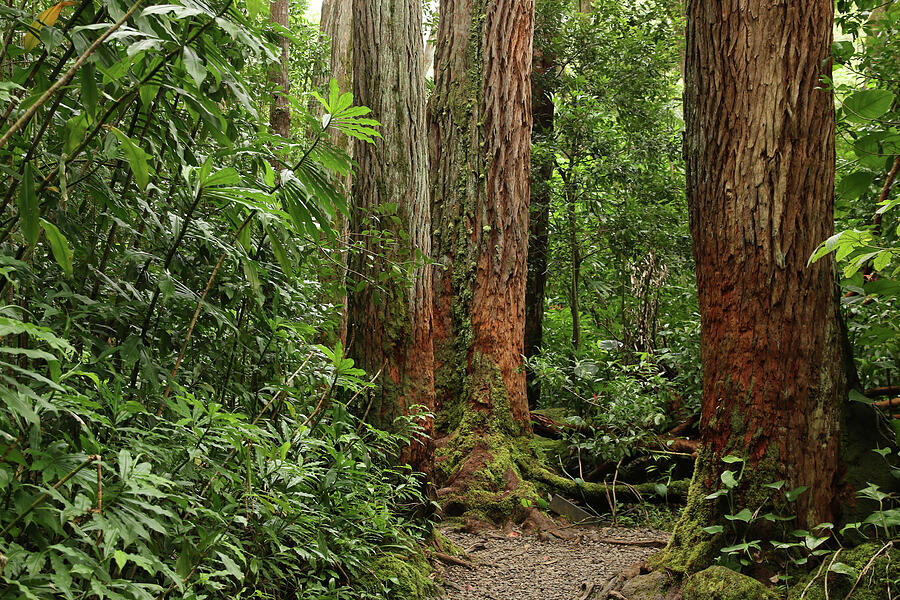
pixel 480 143
pixel 390 319
pixel 760 178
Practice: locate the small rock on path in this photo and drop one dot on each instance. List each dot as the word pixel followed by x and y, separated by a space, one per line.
pixel 515 566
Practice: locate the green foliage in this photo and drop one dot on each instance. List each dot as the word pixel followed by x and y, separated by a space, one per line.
pixel 617 405
pixel 867 68
pixel 171 423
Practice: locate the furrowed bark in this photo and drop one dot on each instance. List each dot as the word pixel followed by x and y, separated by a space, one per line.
pixel 760 179
pixel 480 135
pixel 390 323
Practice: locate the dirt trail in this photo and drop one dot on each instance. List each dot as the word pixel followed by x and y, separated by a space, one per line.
pixel 515 566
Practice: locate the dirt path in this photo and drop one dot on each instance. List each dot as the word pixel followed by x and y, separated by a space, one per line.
pixel 516 566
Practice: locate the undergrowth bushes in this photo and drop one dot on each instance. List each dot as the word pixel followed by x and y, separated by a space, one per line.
pixel 169 425
pixel 104 498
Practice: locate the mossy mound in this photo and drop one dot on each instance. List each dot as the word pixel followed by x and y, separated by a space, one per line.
pixel 482 477
pixel 402 577
pixel 721 583
pixel 651 586
pixel 846 570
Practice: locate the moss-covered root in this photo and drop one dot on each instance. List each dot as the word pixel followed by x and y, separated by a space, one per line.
pixel 691 549
pixel 677 490
pixel 402 577
pixel 874 565
pixel 482 478
pixel 720 583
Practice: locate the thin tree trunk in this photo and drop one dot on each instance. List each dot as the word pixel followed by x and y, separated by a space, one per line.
pixel 481 140
pixel 760 173
pixel 279 111
pixel 390 323
pixel 539 212
pixel 575 280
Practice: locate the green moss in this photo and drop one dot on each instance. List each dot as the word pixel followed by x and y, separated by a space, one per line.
pixel 446 545
pixel 872 586
pixel 691 549
pixel 548 451
pixel 720 583
pixel 401 577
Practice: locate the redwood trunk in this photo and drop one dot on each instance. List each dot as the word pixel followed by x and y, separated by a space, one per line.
pixel 390 320
pixel 760 178
pixel 481 143
pixel 279 111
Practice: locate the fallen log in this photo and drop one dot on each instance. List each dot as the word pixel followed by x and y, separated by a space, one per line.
pixel 887 403
pixel 602 492
pixel 885 390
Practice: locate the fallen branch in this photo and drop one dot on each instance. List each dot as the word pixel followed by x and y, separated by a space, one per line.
pixel 885 390
pixel 649 543
pixel 887 403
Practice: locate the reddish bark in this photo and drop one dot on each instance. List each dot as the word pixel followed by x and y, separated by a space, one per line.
pixel 760 180
pixel 481 142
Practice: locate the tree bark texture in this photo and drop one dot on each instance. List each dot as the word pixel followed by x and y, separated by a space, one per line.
pixel 760 157
pixel 279 110
pixel 480 134
pixel 390 320
pixel 539 213
pixel 336 25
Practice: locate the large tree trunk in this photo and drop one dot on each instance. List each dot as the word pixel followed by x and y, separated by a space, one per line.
pixel 760 174
pixel 481 142
pixel 279 110
pixel 390 320
pixel 539 209
pixel 336 25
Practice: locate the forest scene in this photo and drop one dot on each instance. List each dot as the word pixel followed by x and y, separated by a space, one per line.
pixel 452 299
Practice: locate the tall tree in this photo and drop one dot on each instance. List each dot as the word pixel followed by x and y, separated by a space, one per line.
pixel 481 138
pixel 760 172
pixel 390 319
pixel 336 26
pixel 544 63
pixel 279 111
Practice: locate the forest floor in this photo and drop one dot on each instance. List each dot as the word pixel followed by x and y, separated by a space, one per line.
pixel 573 563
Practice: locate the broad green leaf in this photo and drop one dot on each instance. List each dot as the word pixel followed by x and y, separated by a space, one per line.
pixel 728 479
pixel 855 185
pixel 29 209
pixel 76 128
pixel 59 246
pixel 842 568
pixel 279 252
pixel 137 158
pixel 744 515
pixel 194 66
pixel 795 493
pixel 90 94
pixel 713 529
pixel 866 105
